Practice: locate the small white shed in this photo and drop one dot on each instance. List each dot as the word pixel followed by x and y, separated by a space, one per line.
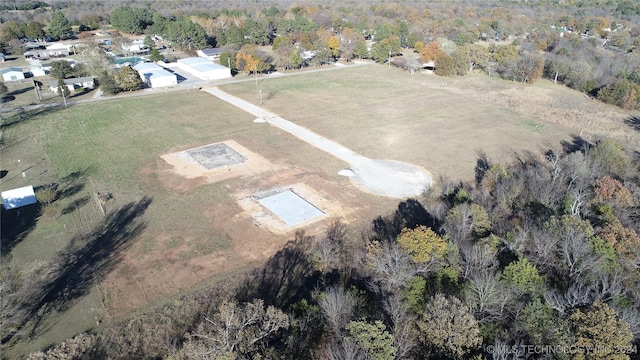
pixel 37 70
pixel 18 197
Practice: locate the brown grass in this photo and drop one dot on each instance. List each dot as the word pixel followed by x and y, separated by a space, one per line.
pixel 385 113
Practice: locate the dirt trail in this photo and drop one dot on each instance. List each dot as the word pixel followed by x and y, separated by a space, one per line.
pixel 382 177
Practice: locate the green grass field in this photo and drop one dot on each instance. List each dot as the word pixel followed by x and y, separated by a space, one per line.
pixel 115 146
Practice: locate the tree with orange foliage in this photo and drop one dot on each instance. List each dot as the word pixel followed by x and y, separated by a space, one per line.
pixel 431 52
pixel 624 240
pixel 610 190
pixel 248 60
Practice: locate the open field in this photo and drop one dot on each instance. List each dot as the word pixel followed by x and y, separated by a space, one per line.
pixel 188 226
pixel 385 113
pixel 193 227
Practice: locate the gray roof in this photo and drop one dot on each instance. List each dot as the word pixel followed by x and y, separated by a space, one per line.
pixel 11 69
pixel 211 51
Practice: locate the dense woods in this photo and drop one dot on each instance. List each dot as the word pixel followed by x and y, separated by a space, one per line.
pixel 542 250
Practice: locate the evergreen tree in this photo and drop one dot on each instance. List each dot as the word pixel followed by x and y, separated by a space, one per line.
pixel 129 79
pixel 59 28
pixel 108 83
pixel 155 55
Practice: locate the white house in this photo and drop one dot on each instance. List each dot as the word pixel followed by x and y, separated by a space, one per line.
pixel 212 54
pixel 59 49
pixel 155 76
pixel 135 46
pixel 87 82
pixel 12 73
pixel 37 70
pixel 204 69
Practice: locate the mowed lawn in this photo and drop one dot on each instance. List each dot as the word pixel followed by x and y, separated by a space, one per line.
pixel 386 113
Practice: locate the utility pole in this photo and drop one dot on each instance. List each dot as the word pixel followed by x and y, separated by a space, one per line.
pixel 62 90
pixel 35 86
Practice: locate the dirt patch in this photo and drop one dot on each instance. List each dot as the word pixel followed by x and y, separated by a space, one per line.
pixel 163 264
pixel 184 165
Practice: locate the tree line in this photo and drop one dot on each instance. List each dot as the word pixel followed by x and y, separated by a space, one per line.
pixel 542 250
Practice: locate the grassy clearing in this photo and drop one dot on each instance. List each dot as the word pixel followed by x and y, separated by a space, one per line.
pixel 385 113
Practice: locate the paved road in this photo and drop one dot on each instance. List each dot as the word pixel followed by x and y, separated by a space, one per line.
pixel 382 177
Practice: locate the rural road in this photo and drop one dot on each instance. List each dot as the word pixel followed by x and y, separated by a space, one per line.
pixel 381 177
pixel 180 87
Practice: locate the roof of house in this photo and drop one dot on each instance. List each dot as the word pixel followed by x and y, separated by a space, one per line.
pixel 206 67
pixel 11 69
pixel 211 51
pixel 202 65
pixel 147 67
pixel 72 81
pixel 194 61
pixel 18 197
pixel 59 46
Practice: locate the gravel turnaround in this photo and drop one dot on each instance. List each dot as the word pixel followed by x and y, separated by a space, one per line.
pixel 389 178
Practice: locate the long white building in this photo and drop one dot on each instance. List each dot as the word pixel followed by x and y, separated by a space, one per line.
pixel 204 69
pixel 155 76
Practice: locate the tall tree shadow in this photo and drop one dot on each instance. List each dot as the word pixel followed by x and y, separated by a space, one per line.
pixel 409 214
pixel 482 165
pixel 577 143
pixel 633 122
pixel 86 260
pixel 22 116
pixel 286 277
pixel 16 224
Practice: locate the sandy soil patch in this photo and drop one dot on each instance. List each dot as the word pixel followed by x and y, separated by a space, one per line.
pixel 185 165
pixel 163 264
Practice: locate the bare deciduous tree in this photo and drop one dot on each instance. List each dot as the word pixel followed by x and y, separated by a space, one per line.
pixel 389 266
pixel 337 306
pixel 234 329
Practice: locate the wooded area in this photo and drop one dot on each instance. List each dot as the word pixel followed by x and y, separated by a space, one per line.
pixel 591 47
